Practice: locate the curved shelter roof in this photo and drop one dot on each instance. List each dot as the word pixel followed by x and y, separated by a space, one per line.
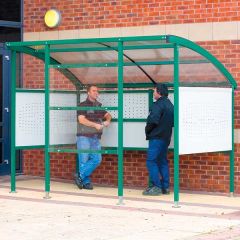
pixel 147 59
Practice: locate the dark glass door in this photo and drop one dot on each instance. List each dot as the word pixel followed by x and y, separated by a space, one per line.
pixel 4 112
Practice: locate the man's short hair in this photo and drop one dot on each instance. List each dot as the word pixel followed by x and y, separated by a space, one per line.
pixel 162 89
pixel 89 87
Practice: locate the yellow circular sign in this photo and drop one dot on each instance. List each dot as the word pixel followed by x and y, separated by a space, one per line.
pixel 52 18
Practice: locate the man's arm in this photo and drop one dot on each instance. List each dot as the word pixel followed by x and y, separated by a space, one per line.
pixel 153 118
pixel 155 114
pixel 108 118
pixel 83 120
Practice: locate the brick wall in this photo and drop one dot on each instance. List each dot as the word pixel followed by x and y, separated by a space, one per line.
pixel 199 172
pixel 123 13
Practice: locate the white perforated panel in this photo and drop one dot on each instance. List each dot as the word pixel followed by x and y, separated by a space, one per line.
pixel 205 120
pixel 63 124
pixel 135 105
pixel 63 99
pixel 30 119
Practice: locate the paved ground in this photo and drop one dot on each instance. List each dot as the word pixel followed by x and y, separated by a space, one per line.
pixel 94 215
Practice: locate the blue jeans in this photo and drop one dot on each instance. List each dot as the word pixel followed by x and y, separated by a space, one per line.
pixel 88 162
pixel 157 163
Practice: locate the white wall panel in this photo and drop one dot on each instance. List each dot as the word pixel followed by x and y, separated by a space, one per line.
pixel 205 119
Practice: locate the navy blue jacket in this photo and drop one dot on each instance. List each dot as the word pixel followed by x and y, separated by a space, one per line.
pixel 160 120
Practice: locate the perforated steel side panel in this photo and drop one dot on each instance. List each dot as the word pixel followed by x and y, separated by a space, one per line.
pixel 30 119
pixel 63 123
pixel 205 120
pixel 135 105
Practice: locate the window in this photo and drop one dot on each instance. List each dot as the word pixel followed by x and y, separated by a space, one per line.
pixel 8 34
pixel 10 10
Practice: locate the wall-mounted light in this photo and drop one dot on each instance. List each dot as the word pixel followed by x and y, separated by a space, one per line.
pixel 52 18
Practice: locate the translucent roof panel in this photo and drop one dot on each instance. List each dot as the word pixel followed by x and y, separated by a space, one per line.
pixel 96 75
pixel 153 55
pixel 159 73
pixel 132 74
pixel 196 69
pixel 186 54
pixel 200 73
pixel 158 63
pixel 85 57
pixel 143 57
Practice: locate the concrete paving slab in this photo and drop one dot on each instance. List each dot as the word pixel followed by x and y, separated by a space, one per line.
pixel 80 214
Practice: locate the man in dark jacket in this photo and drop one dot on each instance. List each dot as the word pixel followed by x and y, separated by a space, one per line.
pixel 158 131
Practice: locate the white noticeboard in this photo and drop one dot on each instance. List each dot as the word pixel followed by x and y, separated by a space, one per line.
pixel 205 119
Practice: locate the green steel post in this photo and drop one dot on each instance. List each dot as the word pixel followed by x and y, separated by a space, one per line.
pixel 13 126
pixel 120 122
pixel 232 152
pixel 176 125
pixel 47 156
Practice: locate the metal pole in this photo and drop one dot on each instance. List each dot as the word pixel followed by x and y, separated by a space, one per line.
pixel 120 122
pixel 232 151
pixel 47 156
pixel 176 125
pixel 13 126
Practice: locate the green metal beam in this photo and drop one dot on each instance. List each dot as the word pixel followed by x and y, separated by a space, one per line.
pixel 85 40
pixel 83 108
pixel 84 65
pixel 71 150
pixel 126 64
pixel 131 85
pixel 98 49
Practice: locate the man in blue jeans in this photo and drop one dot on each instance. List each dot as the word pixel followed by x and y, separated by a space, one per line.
pixel 90 126
pixel 158 131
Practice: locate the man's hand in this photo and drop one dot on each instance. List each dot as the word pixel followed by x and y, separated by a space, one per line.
pixel 106 123
pixel 99 127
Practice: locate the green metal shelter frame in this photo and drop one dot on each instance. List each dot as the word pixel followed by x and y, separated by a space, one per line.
pixel 43 50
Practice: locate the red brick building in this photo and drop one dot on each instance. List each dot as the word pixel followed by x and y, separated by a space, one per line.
pixel 213 24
